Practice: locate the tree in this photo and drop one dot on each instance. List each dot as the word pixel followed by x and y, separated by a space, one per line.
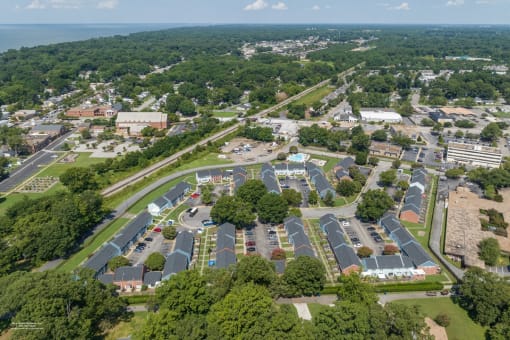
pixel 234 210
pixel 329 199
pixel 442 319
pixel 278 254
pixel 402 140
pixel 365 252
pixel 169 233
pixel 292 197
pixel 118 261
pixel 246 311
pixel 387 178
pixel 484 295
pixel 155 261
pixel 361 158
pixel 491 132
pixel 281 156
pixel 405 322
pixel 255 269
pixel 373 161
pixel 390 249
pixel 454 173
pixel 313 197
pixel 347 187
pixel 489 251
pixel 186 293
pixel 360 142
pixel 295 212
pixel 272 208
pixel 85 134
pixel 375 203
pixel 396 164
pixel 459 134
pixel 465 124
pixel 304 276
pixel 251 191
pixel 346 320
pixel 293 149
pixel 206 193
pixel 354 290
pixel 63 305
pixel 427 122
pixel 380 136
pixel 403 185
pixel 79 179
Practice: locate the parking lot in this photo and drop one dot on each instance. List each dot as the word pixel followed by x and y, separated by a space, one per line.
pixel 147 247
pixel 261 239
pixel 300 185
pixel 363 234
pixel 430 156
pixel 195 222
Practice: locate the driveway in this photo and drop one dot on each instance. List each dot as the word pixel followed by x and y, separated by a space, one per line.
pixel 195 222
pixel 364 236
pixel 151 247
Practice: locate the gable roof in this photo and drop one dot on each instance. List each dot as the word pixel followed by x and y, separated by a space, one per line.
pixel 128 273
pixel 390 222
pixel 402 236
pixel 175 263
pixel 225 258
pixel 417 254
pixel 105 278
pixel 134 227
pixel 346 163
pixel 388 262
pixel 177 191
pixel 150 278
pixel 322 184
pixel 100 259
pixel 184 244
pixel 342 173
pixel 346 257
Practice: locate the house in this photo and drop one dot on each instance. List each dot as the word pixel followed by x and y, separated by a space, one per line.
pixel 318 178
pixel 269 178
pixel 345 256
pixel 129 278
pixel 132 123
pixel 297 237
pixel 175 195
pixel 239 176
pixel 225 245
pixel 389 266
pixel 99 261
pixel 180 259
pixel 289 169
pixel 209 175
pixel 342 174
pixel 152 279
pixel 132 232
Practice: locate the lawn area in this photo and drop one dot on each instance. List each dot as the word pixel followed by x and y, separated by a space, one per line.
pixel 224 114
pixel 209 159
pixel 58 169
pixel 314 96
pixel 500 114
pixel 91 245
pixel 315 308
pixel 125 329
pixel 174 215
pixel 461 326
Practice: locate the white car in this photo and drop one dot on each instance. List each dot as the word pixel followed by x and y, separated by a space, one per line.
pixel 345 223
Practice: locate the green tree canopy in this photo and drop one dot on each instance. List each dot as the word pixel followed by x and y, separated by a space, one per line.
pixel 79 179
pixel 348 187
pixel 118 261
pixel 252 191
pixel 155 261
pixel 388 177
pixel 491 132
pixel 304 276
pixel 272 208
pixel 375 203
pixel 255 269
pixel 292 197
pixel 233 210
pixel 489 251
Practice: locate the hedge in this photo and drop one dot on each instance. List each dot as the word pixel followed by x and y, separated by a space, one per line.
pixel 395 287
pixel 137 299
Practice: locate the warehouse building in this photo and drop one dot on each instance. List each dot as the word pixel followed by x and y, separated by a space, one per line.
pixel 380 116
pixel 474 155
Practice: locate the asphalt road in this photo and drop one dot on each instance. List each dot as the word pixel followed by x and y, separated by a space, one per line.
pixel 32 165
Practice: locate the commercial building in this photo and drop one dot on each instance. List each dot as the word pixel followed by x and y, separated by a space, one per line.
pixel 91 111
pixel 474 155
pixel 132 123
pixel 385 116
pixel 385 149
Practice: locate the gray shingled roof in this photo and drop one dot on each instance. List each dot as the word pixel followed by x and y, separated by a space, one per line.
pixel 184 244
pixel 225 237
pixel 413 191
pixel 48 127
pixel 390 222
pixel 150 278
pixel 346 163
pixel 403 236
pixel 417 254
pixel 328 220
pixel 341 173
pixel 203 173
pixel 411 206
pixel 133 228
pixel 346 257
pixel 322 184
pixel 100 259
pixel 225 258
pixel 128 273
pixel 239 170
pixel 105 278
pixel 279 266
pixel 175 263
pixel 177 191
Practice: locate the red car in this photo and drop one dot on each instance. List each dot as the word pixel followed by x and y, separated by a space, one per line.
pixel 250 243
pixel 157 230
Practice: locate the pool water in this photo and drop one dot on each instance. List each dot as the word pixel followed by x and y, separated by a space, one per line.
pixel 298 158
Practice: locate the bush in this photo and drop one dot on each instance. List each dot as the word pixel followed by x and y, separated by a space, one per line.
pixel 278 254
pixel 390 249
pixel 442 320
pixel 281 156
pixel 395 287
pixel 169 233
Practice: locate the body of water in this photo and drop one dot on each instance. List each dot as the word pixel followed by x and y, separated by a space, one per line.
pixel 17 36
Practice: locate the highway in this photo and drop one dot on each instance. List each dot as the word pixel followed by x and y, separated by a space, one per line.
pixel 169 160
pixel 31 165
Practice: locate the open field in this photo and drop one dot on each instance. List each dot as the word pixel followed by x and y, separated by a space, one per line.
pixel 125 329
pixel 91 245
pixel 314 96
pixel 224 114
pixel 461 326
pixel 58 168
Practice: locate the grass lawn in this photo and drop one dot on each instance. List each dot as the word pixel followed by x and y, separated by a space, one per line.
pixel 224 114
pixel 92 244
pixel 209 159
pixel 461 326
pixel 58 169
pixel 174 215
pixel 315 308
pixel 125 329
pixel 501 114
pixel 314 96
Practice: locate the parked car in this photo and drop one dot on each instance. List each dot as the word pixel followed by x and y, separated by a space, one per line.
pixel 371 229
pixel 251 249
pixel 157 230
pixel 137 250
pixel 378 239
pixel 431 293
pixel 250 243
pixel 374 234
pixel 148 239
pixel 345 224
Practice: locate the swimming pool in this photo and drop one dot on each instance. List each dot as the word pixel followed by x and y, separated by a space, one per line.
pixel 298 157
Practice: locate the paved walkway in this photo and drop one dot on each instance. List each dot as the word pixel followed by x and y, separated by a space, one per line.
pixel 302 311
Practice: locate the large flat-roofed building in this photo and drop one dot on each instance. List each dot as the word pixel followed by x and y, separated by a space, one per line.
pixel 380 116
pixel 132 123
pixel 91 111
pixel 473 154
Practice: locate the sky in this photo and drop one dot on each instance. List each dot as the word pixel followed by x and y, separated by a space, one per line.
pixel 256 11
